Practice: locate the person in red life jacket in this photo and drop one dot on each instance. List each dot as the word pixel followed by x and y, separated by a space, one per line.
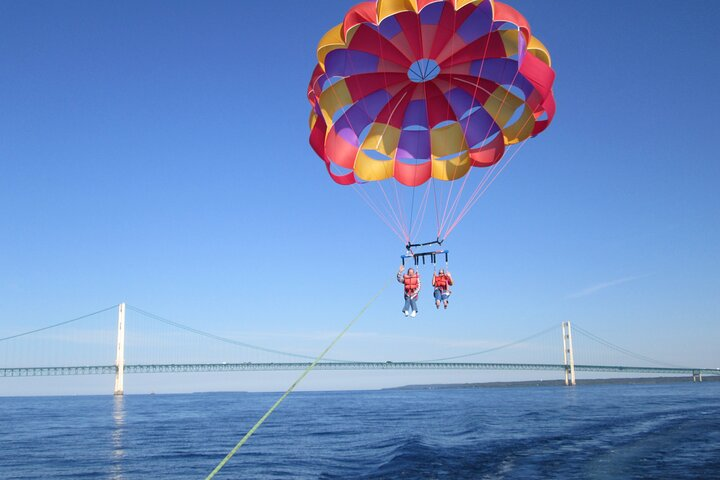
pixel 411 282
pixel 442 282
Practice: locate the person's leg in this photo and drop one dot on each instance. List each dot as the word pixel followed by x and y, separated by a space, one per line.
pixel 437 296
pixel 446 297
pixel 406 308
pixel 413 304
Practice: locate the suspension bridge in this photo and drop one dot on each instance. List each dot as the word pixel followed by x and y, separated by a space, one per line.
pixel 89 350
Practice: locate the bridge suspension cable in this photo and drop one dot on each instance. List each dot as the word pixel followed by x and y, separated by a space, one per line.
pixel 494 349
pixel 220 338
pixel 617 348
pixel 58 324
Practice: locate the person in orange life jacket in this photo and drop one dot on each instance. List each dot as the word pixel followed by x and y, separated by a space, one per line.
pixel 442 282
pixel 411 282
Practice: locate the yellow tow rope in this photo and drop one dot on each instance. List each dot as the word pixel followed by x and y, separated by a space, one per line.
pixel 295 384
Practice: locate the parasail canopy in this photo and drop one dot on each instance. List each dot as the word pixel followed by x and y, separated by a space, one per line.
pixel 416 91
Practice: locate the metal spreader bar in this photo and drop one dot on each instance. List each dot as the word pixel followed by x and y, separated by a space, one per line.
pixel 437 241
pixel 418 257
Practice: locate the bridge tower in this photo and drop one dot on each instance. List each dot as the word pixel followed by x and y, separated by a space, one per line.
pixel 120 352
pixel 568 354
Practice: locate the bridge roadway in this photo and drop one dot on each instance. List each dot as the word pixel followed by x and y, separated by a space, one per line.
pixel 234 367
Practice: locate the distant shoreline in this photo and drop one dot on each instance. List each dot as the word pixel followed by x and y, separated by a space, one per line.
pixel 558 383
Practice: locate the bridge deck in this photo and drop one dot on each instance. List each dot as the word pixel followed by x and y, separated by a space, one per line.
pixel 234 367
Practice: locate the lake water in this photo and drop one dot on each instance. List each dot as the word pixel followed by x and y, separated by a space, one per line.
pixel 586 432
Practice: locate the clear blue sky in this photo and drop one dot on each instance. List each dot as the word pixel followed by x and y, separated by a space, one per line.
pixel 156 153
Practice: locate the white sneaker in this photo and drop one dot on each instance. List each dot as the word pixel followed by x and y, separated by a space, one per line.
pixel 405 312
pixel 413 314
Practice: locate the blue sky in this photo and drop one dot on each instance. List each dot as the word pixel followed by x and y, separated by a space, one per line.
pixel 156 153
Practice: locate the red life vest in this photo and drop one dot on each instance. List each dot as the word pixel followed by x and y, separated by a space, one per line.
pixel 442 281
pixel 412 283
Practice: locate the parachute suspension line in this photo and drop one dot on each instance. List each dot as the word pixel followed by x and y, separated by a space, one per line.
pixel 400 224
pixel 411 225
pixel 475 197
pixel 472 105
pixel 366 198
pixel 400 219
pixel 401 207
pixel 412 211
pixel 488 171
pixel 477 194
pixel 437 214
pixel 447 203
pixel 412 201
pixel 295 384
pixel 456 201
pixel 380 137
pixel 420 218
pixel 482 188
pixel 423 204
pixel 452 184
pixel 487 180
pixel 397 215
pixel 387 89
pixel 452 55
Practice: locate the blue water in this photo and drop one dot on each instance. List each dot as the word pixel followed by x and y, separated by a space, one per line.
pixel 587 432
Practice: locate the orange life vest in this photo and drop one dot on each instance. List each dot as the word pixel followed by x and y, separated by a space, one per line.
pixel 442 281
pixel 412 283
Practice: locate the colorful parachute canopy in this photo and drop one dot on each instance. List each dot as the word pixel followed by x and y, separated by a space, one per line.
pixel 421 89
